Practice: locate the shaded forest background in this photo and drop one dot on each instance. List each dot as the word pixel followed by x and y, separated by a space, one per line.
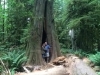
pixel 77 23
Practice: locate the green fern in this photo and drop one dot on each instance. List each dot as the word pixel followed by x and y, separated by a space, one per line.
pixel 98 73
pixel 1 68
pixel 95 58
pixel 14 59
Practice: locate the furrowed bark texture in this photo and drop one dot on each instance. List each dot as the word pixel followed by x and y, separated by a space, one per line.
pixel 42 30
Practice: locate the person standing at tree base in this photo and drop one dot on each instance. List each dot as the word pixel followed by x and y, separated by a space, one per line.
pixel 46 49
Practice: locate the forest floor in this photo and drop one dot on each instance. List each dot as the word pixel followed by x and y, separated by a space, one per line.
pixel 70 65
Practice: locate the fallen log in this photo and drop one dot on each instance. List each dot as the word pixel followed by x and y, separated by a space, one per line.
pixel 57 70
pixel 71 66
pixel 78 67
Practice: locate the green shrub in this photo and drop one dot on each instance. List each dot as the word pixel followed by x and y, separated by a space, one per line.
pixel 98 73
pixel 1 68
pixel 80 53
pixel 14 59
pixel 64 51
pixel 95 58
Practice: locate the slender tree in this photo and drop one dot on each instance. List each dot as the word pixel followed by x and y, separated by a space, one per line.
pixel 42 30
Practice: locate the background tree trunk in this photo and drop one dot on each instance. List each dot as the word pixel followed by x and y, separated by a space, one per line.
pixel 42 30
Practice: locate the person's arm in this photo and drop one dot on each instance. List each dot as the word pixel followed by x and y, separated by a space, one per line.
pixel 49 47
pixel 43 46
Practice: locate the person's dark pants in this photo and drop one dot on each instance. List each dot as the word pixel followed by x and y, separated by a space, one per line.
pixel 45 56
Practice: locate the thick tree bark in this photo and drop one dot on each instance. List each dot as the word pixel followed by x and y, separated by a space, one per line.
pixel 51 35
pixel 42 30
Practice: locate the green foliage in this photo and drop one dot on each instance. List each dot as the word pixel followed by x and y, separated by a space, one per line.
pixel 14 23
pixel 98 73
pixel 95 58
pixel 1 68
pixel 60 17
pixel 19 23
pixel 12 71
pixel 79 53
pixel 14 59
pixel 65 51
pixel 82 16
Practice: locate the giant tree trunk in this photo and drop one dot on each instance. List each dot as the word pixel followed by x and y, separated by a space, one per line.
pixel 42 30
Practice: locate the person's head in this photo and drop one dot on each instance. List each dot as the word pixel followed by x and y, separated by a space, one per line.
pixel 45 43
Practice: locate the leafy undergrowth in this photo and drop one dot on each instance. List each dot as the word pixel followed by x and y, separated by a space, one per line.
pixel 14 60
pixel 98 73
pixel 95 58
pixel 79 53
